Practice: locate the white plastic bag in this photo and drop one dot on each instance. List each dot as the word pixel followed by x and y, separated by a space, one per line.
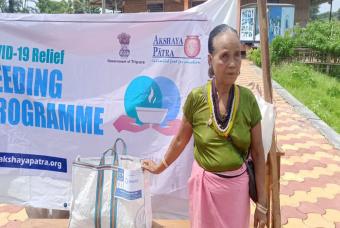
pixel 111 191
pixel 267 123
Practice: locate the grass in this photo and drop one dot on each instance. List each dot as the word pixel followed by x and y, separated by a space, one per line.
pixel 319 92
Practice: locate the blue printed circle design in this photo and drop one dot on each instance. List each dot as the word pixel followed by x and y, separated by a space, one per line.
pixel 146 92
pixel 171 98
pixel 142 92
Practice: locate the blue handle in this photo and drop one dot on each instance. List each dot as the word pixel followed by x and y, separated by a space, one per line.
pixel 114 152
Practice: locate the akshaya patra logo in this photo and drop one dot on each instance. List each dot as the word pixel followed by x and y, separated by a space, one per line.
pixel 176 50
pixel 121 56
pixel 150 103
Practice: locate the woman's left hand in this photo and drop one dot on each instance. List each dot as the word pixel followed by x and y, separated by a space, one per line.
pixel 260 219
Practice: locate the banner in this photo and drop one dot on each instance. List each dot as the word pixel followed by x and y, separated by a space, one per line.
pixel 71 84
pixel 280 20
pixel 247 24
pixel 219 11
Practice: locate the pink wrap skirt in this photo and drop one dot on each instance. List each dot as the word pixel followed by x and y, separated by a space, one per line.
pixel 218 202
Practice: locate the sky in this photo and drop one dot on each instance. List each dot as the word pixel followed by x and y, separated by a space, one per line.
pixel 325 7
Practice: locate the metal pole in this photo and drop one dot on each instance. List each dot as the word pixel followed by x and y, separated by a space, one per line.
pixel 330 11
pixel 103 6
pixel 11 6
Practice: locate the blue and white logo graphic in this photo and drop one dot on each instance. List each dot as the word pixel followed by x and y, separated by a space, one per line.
pixel 154 102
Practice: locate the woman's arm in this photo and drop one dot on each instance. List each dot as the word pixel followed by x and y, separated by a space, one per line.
pixel 176 147
pixel 257 154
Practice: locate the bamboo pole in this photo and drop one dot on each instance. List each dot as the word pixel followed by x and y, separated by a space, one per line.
pixel 275 189
pixel 238 18
pixel 268 192
pixel 272 184
pixel 267 83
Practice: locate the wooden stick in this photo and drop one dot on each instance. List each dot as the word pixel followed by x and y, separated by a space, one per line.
pixel 238 19
pixel 267 83
pixel 267 192
pixel 186 4
pixel 268 93
pixel 275 193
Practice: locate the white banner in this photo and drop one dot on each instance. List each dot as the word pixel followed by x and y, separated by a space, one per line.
pixel 70 85
pixel 219 11
pixel 247 24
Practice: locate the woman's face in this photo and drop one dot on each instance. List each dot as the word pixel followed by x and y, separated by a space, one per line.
pixel 226 58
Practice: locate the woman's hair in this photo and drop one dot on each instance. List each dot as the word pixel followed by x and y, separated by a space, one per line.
pixel 215 32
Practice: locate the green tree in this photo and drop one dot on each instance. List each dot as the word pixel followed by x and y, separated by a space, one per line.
pixel 47 6
pixel 322 36
pixel 83 6
pixel 17 6
pixel 3 7
pixel 54 7
pixel 314 11
pixel 281 48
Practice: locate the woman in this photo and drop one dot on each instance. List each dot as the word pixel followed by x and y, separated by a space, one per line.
pixel 225 121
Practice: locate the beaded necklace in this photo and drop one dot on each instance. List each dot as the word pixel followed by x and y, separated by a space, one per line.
pixel 222 126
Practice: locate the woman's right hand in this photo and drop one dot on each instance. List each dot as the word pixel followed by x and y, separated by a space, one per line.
pixel 176 147
pixel 152 167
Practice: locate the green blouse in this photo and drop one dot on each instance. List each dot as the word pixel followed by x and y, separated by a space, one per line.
pixel 212 152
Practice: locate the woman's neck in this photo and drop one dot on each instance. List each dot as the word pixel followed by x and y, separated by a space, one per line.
pixel 222 89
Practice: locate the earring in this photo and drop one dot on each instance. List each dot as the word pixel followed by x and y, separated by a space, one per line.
pixel 210 71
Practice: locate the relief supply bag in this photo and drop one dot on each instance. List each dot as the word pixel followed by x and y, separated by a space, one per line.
pixel 110 191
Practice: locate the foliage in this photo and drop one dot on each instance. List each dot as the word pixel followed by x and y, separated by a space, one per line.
pixel 53 7
pixel 313 11
pixel 255 56
pixel 75 6
pixel 3 6
pixel 322 36
pixel 325 16
pixel 281 48
pixel 16 6
pixel 82 6
pixel 319 92
pixel 48 6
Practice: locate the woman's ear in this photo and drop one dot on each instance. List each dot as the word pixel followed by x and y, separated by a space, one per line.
pixel 209 59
